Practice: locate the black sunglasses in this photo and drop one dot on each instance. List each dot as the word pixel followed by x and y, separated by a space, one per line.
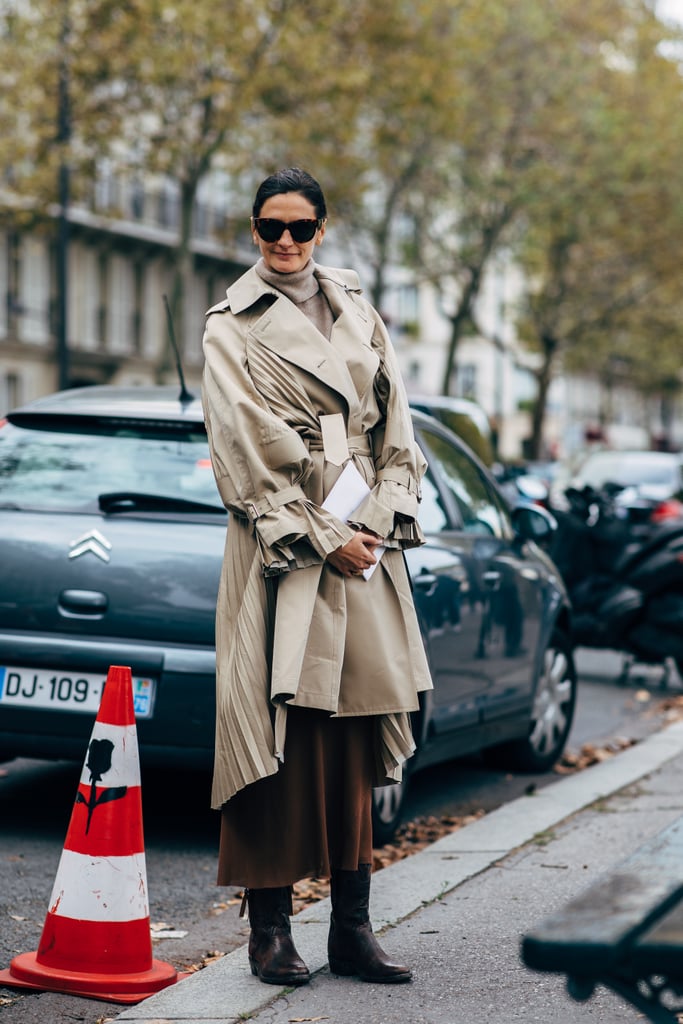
pixel 271 230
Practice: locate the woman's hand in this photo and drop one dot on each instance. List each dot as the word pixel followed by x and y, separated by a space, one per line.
pixel 356 555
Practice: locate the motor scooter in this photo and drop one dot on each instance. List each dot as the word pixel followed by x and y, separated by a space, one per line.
pixel 624 577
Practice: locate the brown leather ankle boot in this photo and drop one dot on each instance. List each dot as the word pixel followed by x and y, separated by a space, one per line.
pixel 272 955
pixel 352 947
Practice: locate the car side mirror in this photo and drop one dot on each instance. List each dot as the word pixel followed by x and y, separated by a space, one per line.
pixel 532 522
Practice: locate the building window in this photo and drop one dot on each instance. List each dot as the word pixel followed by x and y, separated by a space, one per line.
pixel 4 285
pixel 12 391
pixel 120 301
pixel 138 293
pixel 467 380
pixel 414 371
pixel 408 312
pixel 195 308
pixel 84 297
pixel 102 318
pixel 13 277
pixel 34 290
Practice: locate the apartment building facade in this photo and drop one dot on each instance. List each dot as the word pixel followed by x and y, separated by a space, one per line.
pixel 120 267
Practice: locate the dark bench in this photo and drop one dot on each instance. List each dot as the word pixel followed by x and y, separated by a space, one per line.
pixel 625 931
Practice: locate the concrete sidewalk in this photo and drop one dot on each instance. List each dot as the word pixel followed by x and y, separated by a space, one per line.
pixel 456 912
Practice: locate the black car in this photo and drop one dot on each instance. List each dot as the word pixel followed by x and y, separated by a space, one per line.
pixel 111 543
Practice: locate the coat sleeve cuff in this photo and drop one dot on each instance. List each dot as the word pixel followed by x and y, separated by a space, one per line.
pixel 298 534
pixel 390 510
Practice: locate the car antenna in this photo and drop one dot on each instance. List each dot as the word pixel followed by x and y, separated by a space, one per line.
pixel 185 395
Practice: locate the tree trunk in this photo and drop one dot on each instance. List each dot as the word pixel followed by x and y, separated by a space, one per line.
pixel 544 378
pixel 461 317
pixel 378 284
pixel 385 227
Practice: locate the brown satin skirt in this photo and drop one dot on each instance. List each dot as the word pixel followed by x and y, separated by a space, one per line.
pixel 312 816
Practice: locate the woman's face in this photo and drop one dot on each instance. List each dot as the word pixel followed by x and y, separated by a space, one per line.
pixel 287 256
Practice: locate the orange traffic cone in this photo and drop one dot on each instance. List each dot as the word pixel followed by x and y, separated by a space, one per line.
pixel 96 939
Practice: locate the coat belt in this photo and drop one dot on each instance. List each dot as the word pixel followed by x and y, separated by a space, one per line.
pixel 359 444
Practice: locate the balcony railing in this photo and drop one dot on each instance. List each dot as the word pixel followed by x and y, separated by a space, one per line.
pixel 157 205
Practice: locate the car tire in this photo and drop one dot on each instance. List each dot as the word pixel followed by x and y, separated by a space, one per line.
pixel 387 810
pixel 551 717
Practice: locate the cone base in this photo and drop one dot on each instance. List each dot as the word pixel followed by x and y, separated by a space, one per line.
pixel 25 972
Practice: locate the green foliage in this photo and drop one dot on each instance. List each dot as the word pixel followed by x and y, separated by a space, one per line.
pixel 600 249
pixel 448 134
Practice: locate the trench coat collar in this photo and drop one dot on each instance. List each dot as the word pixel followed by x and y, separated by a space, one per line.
pixel 249 288
pixel 301 343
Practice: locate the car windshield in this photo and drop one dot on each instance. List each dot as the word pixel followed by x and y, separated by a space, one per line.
pixel 70 468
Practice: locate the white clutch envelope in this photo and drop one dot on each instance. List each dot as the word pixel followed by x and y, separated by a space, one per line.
pixel 348 492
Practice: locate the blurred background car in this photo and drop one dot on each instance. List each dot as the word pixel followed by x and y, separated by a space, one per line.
pixel 111 541
pixel 650 483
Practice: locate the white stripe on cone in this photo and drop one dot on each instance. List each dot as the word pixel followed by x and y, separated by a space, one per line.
pixel 100 889
pixel 125 760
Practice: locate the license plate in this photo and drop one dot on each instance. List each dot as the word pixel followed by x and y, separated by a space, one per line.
pixel 65 691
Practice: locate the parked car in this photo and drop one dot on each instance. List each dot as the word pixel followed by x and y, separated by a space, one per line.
pixel 464 417
pixel 651 483
pixel 111 542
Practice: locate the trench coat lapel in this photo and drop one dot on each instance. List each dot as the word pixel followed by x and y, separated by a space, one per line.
pixel 352 336
pixel 285 330
pixel 289 333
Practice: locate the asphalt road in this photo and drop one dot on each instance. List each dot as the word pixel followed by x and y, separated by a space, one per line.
pixel 181 837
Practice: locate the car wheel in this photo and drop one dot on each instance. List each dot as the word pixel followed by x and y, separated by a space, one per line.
pixel 551 716
pixel 387 807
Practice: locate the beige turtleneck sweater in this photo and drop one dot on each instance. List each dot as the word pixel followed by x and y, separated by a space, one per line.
pixel 302 288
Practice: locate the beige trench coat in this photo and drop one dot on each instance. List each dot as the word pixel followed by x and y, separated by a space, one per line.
pixel 290 629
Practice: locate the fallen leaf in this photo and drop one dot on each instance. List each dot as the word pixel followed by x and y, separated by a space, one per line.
pixel 589 754
pixel 218 908
pixel 208 958
pixel 670 707
pixel 298 1020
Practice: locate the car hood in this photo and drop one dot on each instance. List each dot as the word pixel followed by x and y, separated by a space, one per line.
pixel 151 578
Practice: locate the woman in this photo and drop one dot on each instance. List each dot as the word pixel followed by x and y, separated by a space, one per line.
pixel 318 665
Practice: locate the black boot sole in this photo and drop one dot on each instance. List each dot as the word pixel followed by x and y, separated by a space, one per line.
pixel 345 969
pixel 282 979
